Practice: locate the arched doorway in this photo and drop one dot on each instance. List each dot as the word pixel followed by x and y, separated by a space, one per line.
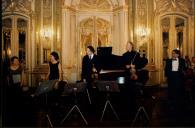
pixel 94 31
pixel 173 33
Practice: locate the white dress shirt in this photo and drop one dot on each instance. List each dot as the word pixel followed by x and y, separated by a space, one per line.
pixel 175 65
pixel 91 56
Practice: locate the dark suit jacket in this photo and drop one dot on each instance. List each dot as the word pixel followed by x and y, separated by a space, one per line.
pixel 168 67
pixel 139 62
pixel 87 66
pixel 134 58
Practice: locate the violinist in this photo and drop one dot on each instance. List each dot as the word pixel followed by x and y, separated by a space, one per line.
pixel 132 63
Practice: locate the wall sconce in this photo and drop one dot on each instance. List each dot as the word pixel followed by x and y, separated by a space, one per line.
pixel 46 33
pixel 142 32
pixel 9 52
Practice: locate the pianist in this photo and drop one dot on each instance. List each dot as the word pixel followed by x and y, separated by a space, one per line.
pixel 90 66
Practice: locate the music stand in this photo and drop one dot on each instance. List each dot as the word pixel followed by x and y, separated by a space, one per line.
pixel 43 88
pixel 76 88
pixel 108 86
pixel 89 98
pixel 141 107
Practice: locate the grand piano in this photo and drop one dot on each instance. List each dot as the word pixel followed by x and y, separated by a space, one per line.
pixel 113 68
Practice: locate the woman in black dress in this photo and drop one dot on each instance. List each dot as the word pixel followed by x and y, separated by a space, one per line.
pixel 55 69
pixel 55 73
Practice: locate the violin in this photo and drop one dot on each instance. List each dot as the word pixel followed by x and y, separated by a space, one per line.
pixel 133 73
pixel 94 73
pixel 132 69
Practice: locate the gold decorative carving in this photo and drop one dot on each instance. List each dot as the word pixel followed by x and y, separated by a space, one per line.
pixel 47 9
pixel 100 23
pixel 7 23
pixel 95 4
pixel 141 7
pixel 21 25
pixel 165 24
pixel 23 6
pixel 161 6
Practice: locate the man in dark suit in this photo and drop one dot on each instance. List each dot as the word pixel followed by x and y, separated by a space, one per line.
pixel 174 71
pixel 90 66
pixel 133 64
pixel 132 60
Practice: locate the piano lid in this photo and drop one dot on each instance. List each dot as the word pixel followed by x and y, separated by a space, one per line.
pixel 108 60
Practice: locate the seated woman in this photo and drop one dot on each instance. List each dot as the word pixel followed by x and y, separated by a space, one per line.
pixel 16 74
pixel 16 81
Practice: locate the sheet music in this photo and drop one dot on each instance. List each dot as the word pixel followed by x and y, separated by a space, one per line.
pixel 113 85
pixel 45 86
pixel 16 78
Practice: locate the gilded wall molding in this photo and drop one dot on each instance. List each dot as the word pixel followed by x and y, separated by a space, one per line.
pixel 95 5
pixel 23 6
pixel 162 6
